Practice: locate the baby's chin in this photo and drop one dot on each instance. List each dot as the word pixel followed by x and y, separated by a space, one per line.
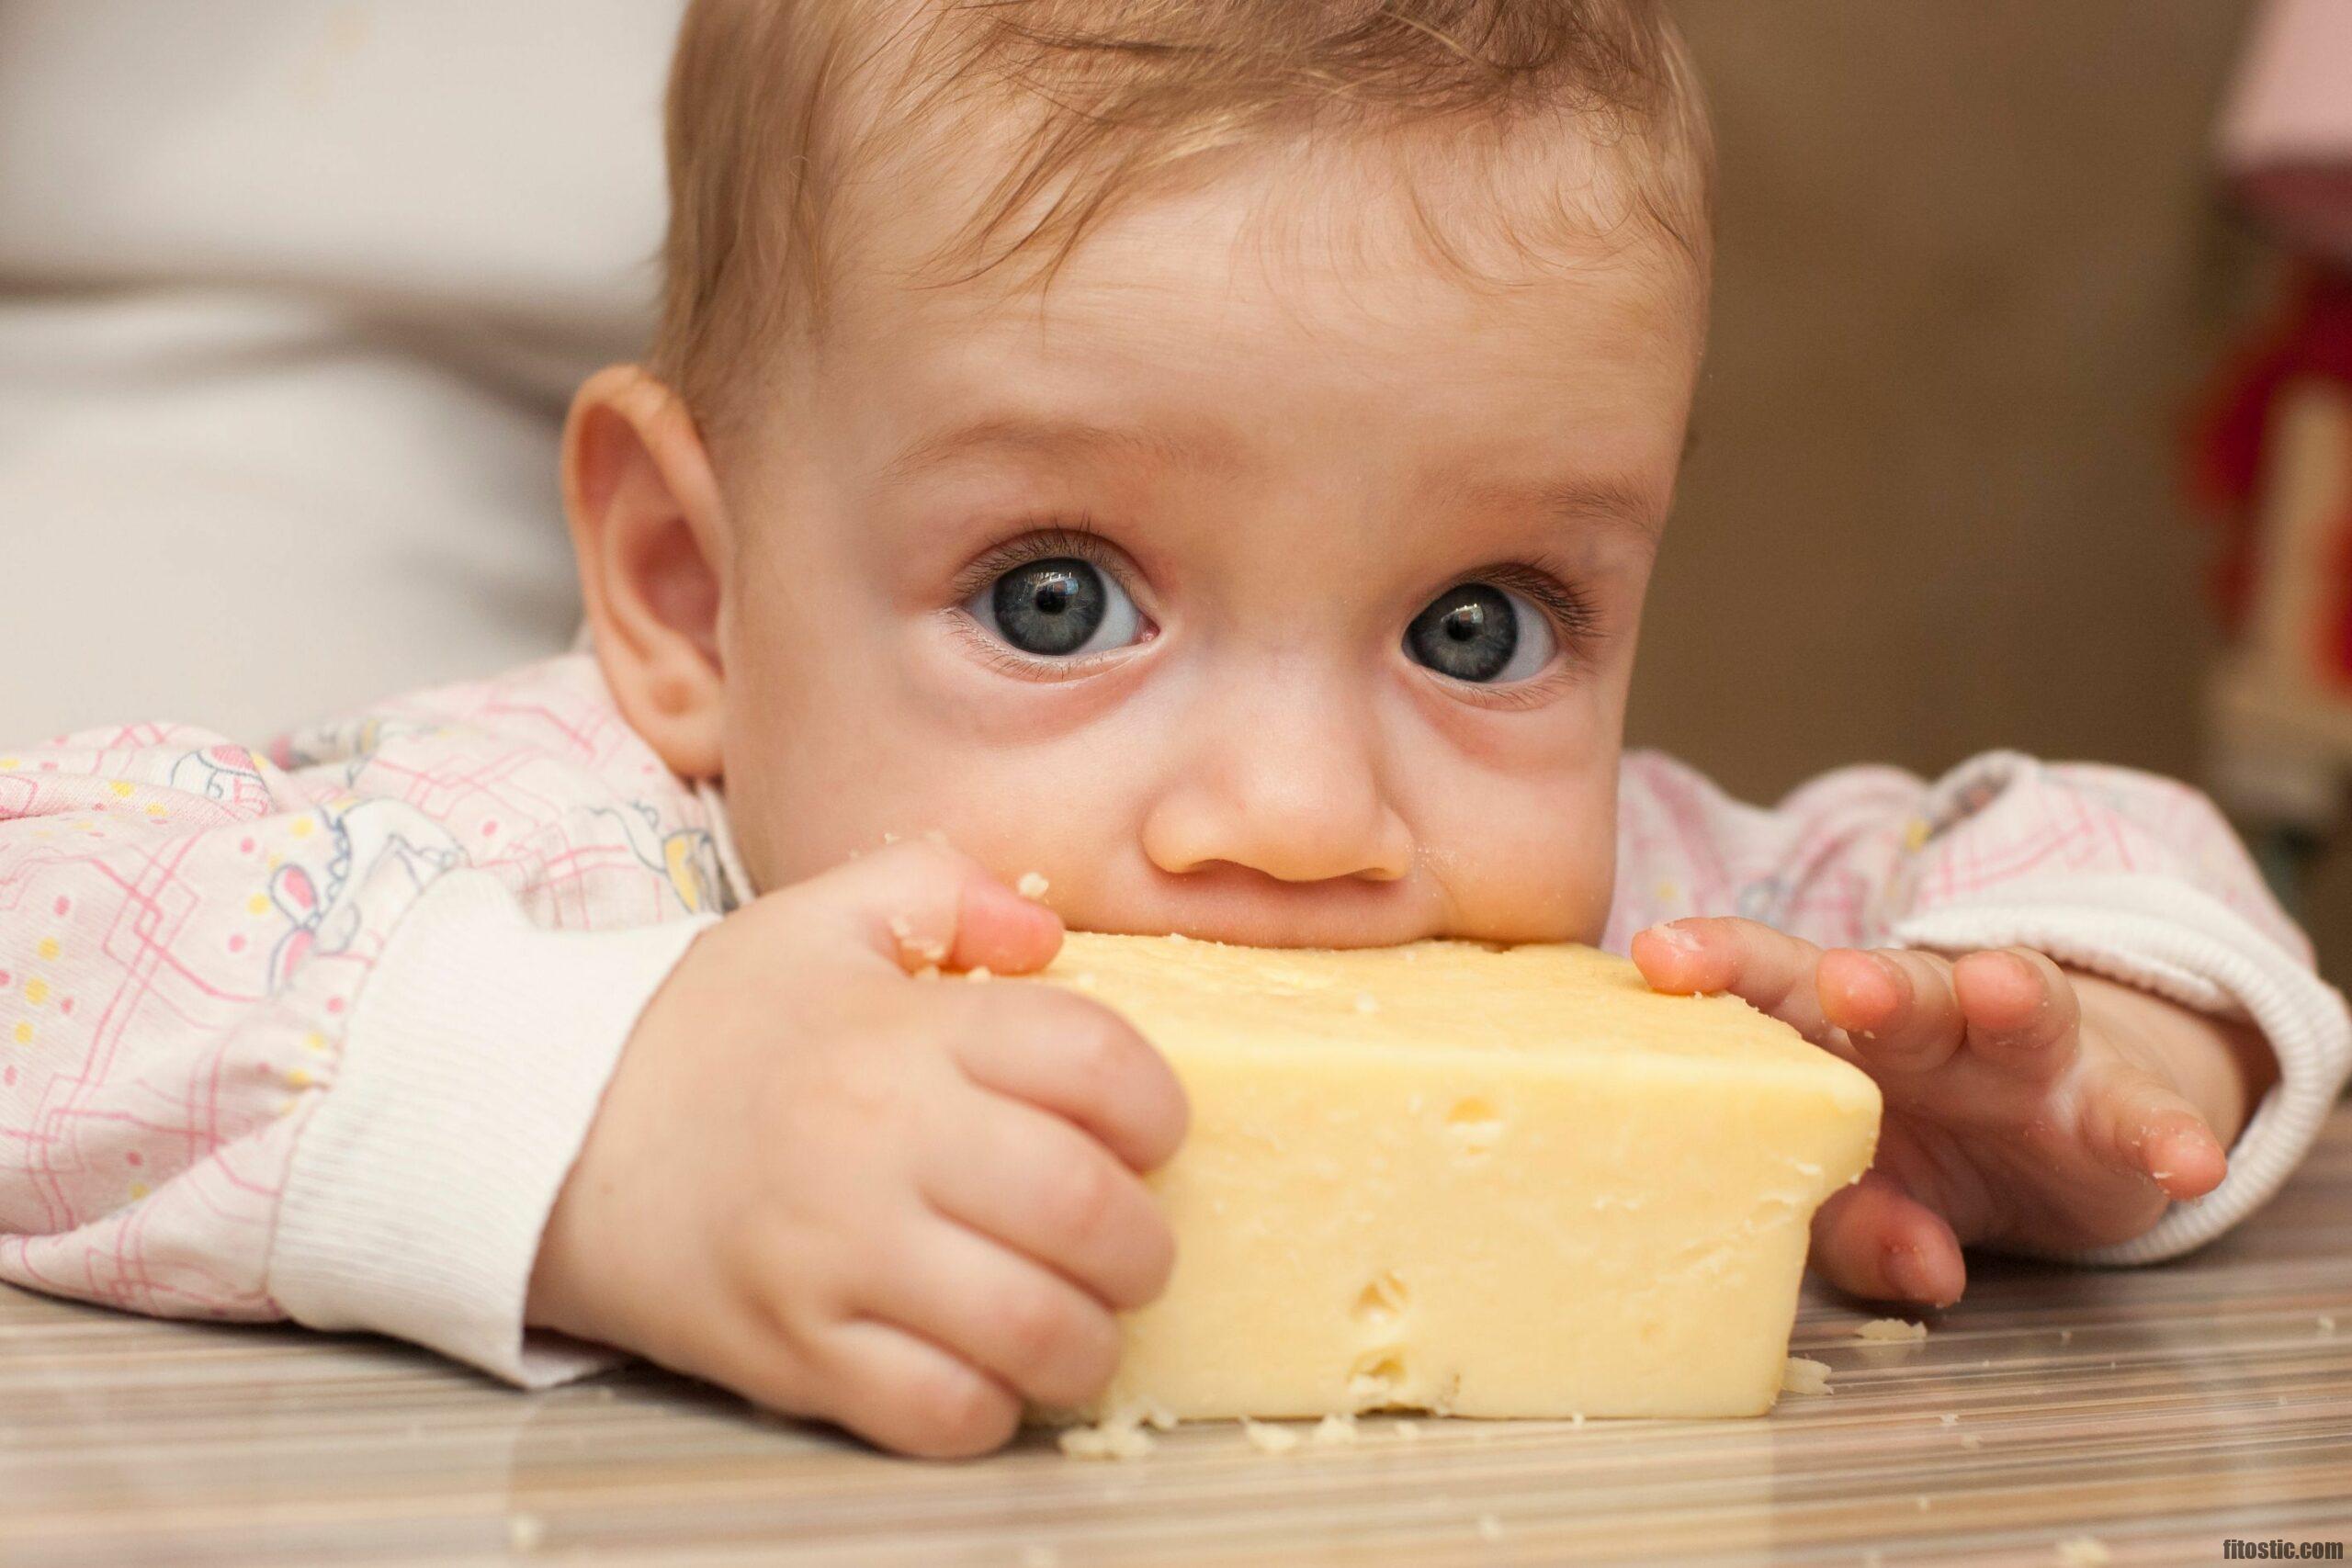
pixel 1248 908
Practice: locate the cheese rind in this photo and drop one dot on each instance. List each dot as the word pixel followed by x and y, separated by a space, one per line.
pixel 1519 1183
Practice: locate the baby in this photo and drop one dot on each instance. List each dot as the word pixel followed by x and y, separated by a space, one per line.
pixel 1203 462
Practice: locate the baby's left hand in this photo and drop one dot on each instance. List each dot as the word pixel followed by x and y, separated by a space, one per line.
pixel 2027 1108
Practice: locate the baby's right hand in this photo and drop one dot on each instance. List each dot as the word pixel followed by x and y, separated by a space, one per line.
pixel 899 1204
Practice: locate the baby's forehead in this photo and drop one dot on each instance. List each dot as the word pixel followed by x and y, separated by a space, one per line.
pixel 1414 234
pixel 1269 321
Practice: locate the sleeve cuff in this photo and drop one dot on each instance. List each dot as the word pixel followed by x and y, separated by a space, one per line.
pixel 2178 942
pixel 479 1049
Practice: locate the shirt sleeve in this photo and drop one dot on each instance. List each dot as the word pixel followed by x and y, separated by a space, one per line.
pixel 2117 872
pixel 318 1033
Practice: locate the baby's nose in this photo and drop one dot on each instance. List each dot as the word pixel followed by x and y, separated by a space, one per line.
pixel 1295 797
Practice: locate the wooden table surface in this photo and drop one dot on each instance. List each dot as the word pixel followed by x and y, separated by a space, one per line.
pixel 2055 1414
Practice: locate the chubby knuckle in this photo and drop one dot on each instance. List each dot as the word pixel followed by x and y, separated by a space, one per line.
pixel 844 1081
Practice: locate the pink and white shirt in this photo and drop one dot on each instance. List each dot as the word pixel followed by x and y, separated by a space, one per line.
pixel 317 1034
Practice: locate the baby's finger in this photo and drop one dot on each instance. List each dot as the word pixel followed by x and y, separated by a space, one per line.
pixel 1875 1241
pixel 2022 1012
pixel 1020 1323
pixel 1895 1005
pixel 1042 1187
pixel 901 1392
pixel 921 903
pixel 1769 970
pixel 1078 1059
pixel 2143 1127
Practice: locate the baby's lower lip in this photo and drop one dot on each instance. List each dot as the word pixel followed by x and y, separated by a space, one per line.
pixel 1268 915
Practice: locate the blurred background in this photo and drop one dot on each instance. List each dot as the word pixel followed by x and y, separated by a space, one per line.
pixel 1974 276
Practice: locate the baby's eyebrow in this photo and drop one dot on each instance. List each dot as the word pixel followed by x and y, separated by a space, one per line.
pixel 1579 500
pixel 1208 447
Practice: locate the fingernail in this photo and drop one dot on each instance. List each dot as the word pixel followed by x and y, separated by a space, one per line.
pixel 1675 938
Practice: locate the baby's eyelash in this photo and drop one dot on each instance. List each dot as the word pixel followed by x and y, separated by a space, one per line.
pixel 1076 538
pixel 1572 612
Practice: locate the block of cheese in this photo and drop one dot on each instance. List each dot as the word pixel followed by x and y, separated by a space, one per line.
pixel 1472 1180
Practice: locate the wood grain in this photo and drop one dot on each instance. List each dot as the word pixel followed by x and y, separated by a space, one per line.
pixel 2157 1411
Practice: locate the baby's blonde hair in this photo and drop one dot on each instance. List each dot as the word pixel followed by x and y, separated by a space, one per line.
pixel 776 105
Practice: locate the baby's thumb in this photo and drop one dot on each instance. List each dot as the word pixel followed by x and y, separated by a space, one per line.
pixel 921 905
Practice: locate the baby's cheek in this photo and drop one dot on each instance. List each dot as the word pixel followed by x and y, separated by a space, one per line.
pixel 1537 866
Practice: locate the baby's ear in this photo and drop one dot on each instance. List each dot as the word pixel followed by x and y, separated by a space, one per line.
pixel 648 526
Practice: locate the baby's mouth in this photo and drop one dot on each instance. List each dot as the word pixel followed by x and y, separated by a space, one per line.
pixel 1235 904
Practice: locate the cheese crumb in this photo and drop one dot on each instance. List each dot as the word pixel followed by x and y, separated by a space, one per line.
pixel 1267 1438
pixel 2085 1551
pixel 1120 1437
pixel 2327 1325
pixel 1366 1002
pixel 1890 1330
pixel 1804 1375
pixel 1084 979
pixel 977 974
pixel 904 928
pixel 1031 885
pixel 1408 1430
pixel 1971 1440
pixel 525 1532
pixel 931 952
pixel 2065 1337
pixel 1949 1419
pixel 1334 1430
pixel 1490 1527
pixel 928 972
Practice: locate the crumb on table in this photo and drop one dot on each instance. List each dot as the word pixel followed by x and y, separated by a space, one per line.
pixel 1804 1375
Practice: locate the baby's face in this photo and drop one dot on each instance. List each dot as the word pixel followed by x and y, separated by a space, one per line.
pixel 1263 580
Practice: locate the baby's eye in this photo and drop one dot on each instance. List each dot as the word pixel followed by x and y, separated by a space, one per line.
pixel 1057 609
pixel 1482 633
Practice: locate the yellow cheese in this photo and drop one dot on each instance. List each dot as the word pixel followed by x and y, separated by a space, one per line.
pixel 1498 1183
